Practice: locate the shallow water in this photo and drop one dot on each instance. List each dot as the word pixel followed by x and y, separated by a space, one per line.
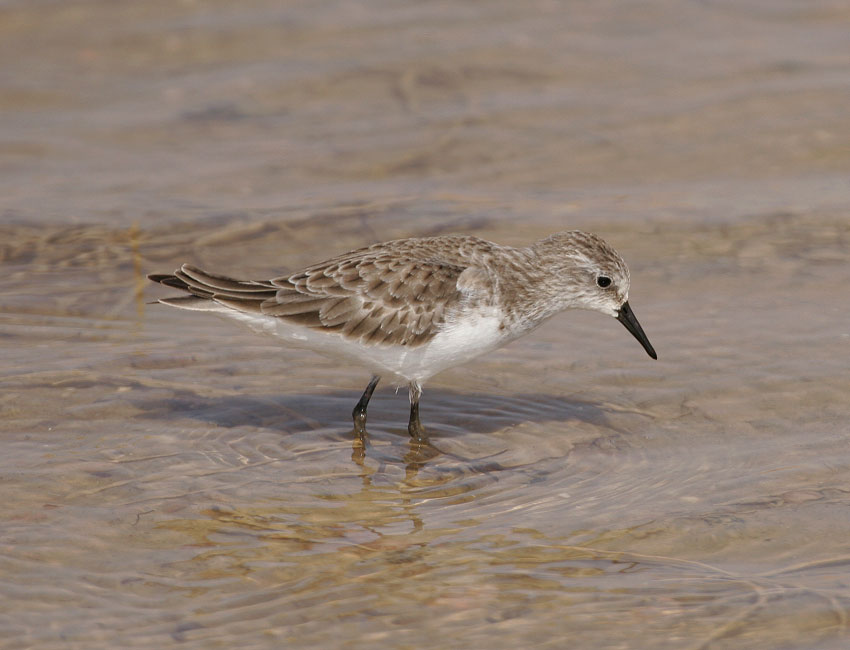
pixel 170 479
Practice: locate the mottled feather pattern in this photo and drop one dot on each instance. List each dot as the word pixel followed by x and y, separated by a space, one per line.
pixel 404 292
pixel 373 295
pixel 394 293
pixel 411 308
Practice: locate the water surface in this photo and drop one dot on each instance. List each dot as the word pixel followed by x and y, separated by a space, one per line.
pixel 170 479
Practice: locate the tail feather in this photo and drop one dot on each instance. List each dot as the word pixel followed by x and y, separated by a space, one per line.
pixel 194 276
pixel 212 292
pixel 241 304
pixel 174 281
pixel 192 302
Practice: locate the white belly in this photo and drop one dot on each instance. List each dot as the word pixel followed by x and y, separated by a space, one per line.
pixel 460 341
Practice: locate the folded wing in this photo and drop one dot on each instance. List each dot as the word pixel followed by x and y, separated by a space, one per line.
pixel 367 295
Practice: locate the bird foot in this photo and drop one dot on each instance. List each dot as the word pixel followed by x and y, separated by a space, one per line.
pixel 417 433
pixel 359 417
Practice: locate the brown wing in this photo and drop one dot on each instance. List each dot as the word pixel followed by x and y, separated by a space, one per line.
pixel 370 296
pixel 367 295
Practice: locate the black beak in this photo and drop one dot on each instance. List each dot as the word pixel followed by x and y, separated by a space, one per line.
pixel 627 317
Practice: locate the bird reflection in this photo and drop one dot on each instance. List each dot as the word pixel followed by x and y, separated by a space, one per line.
pixel 416 457
pixel 418 454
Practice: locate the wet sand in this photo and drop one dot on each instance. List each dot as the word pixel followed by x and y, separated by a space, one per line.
pixel 171 479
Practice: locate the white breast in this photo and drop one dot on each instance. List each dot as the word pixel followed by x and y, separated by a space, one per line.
pixel 463 338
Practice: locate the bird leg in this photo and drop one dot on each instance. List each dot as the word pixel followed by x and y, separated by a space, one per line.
pixel 359 412
pixel 414 427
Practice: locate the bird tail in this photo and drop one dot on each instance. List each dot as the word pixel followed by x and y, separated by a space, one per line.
pixel 210 292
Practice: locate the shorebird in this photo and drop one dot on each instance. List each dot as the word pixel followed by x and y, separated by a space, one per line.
pixel 410 308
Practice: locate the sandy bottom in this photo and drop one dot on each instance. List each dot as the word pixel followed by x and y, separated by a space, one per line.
pixel 170 479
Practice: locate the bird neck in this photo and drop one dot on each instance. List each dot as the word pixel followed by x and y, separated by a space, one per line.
pixel 531 288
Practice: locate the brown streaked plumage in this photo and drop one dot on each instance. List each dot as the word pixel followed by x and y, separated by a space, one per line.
pixel 413 307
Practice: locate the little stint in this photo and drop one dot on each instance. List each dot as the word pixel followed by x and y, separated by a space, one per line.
pixel 410 308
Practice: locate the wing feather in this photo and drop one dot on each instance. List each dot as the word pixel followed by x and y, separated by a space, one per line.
pixel 394 293
pixel 371 295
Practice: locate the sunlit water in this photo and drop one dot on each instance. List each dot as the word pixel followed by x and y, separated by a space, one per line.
pixel 170 479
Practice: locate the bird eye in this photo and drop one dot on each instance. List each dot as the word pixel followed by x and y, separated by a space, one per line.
pixel 603 281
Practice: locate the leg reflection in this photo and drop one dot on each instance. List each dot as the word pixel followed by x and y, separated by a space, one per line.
pixel 418 454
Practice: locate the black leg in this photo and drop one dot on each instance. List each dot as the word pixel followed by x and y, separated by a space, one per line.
pixel 359 412
pixel 414 427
